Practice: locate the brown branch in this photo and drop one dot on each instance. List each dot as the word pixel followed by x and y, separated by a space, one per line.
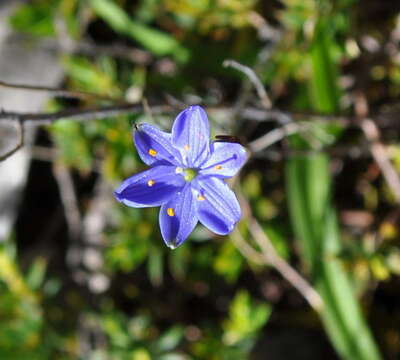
pixel 57 92
pixel 275 135
pixel 283 267
pixel 49 154
pixel 271 257
pixel 284 116
pixel 19 145
pixel 87 48
pixel 78 114
pixel 71 114
pixel 378 150
pixel 68 199
pixel 245 249
pixel 254 79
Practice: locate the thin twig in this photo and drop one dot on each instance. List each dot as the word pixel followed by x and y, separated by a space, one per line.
pixel 378 150
pixel 81 114
pixel 123 109
pixel 19 145
pixel 62 34
pixel 76 114
pixel 50 154
pixel 245 249
pixel 94 223
pixel 286 116
pixel 122 51
pixel 266 32
pixel 57 92
pixel 88 48
pixel 261 92
pixel 288 272
pixel 269 38
pixel 147 109
pixel 272 257
pixel 68 199
pixel 96 218
pixel 276 135
pixel 252 113
pixel 43 153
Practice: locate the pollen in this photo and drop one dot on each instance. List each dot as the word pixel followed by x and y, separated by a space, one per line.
pixel 152 152
pixel 217 167
pixel 201 198
pixel 178 170
pixel 170 212
pixel 186 147
pixel 151 182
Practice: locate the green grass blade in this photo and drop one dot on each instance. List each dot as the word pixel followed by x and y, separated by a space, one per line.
pixel 314 220
pixel 156 41
pixel 315 224
pixel 323 83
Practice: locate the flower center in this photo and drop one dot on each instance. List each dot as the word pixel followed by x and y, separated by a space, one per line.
pixel 190 174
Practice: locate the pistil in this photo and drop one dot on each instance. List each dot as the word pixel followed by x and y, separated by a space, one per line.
pixel 190 174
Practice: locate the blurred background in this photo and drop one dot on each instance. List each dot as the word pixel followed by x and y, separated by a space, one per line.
pixel 310 87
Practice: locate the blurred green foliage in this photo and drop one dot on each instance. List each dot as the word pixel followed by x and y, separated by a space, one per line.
pixel 205 300
pixel 157 42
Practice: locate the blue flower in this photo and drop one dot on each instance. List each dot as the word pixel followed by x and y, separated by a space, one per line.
pixel 186 177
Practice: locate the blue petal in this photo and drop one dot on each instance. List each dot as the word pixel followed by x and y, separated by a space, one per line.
pixel 152 187
pixel 217 206
pixel 225 161
pixel 178 217
pixel 154 145
pixel 191 135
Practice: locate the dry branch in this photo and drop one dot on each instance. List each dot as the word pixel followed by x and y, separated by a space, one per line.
pixel 271 257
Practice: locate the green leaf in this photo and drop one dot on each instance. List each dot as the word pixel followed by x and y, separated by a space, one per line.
pixel 95 77
pixel 315 224
pixel 313 216
pixel 179 261
pixel 35 19
pixel 156 41
pixel 173 356
pixel 245 318
pixel 115 329
pixel 323 85
pixel 140 354
pixel 74 147
pixel 228 262
pixel 155 266
pixel 36 273
pixel 170 339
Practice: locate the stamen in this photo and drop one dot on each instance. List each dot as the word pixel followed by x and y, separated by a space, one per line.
pixel 152 152
pixel 170 212
pixel 201 198
pixel 218 167
pixel 178 170
pixel 151 182
pixel 186 147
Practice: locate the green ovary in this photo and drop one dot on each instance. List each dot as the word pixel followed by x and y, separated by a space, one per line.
pixel 190 174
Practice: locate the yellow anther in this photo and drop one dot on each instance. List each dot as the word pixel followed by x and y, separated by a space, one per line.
pixel 152 152
pixel 170 212
pixel 186 147
pixel 217 167
pixel 178 170
pixel 151 182
pixel 201 198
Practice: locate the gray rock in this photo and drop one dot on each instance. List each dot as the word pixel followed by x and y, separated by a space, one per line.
pixel 26 66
